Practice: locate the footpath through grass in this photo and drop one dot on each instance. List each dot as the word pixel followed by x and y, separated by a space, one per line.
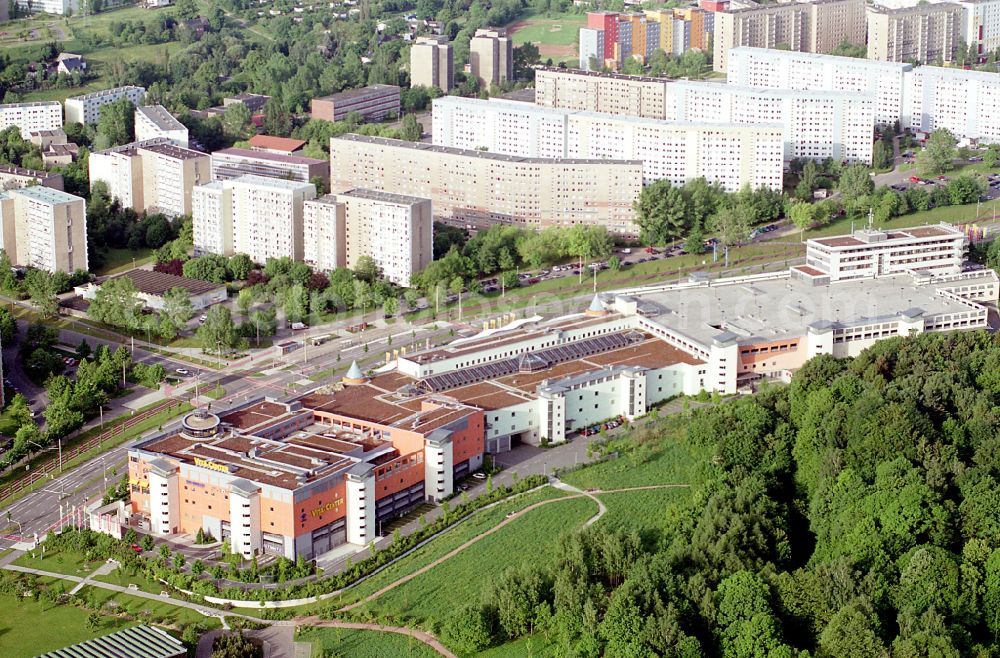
pixel 448 541
pixel 364 644
pixel 531 539
pixel 146 610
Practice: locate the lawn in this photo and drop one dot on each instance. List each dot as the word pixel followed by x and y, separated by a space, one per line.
pixel 649 510
pixel 952 214
pixel 663 456
pixel 158 612
pixel 216 393
pixel 532 539
pixel 61 561
pixel 117 577
pixel 117 261
pixel 556 29
pixel 29 628
pixel 364 644
pixel 451 539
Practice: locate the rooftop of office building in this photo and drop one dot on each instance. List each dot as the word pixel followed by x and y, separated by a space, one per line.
pixel 265 155
pixel 357 93
pixel 159 116
pixel 785 306
pixel 869 238
pixel 286 144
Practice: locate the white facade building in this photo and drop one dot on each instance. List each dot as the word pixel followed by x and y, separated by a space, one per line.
pixel 764 68
pixel 260 217
pixel 965 102
pixel 729 154
pixel 393 229
pixel 152 121
pixel 61 7
pixel 86 109
pixel 817 124
pixel 32 117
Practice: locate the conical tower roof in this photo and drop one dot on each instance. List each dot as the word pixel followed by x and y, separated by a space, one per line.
pixel 354 374
pixel 596 307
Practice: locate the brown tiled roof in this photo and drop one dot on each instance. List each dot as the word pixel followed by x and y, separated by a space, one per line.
pixel 254 415
pixel 285 144
pixel 358 402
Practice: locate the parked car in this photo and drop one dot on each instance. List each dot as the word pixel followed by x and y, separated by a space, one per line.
pixel 299 326
pixel 479 475
pixel 183 372
pixel 915 179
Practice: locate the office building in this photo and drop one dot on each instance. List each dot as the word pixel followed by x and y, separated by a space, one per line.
pixel 491 57
pixel 432 63
pixel 778 69
pixel 591 91
pixel 31 117
pixel 817 124
pixel 922 34
pixel 732 155
pixel 394 230
pixel 234 162
pixel 965 102
pixel 372 103
pixel 481 188
pixel 16 177
pixel 60 7
pixel 252 215
pixel 44 228
pixel 86 109
pixel 300 478
pixel 152 176
pixel 865 254
pixel 818 26
pixel 152 121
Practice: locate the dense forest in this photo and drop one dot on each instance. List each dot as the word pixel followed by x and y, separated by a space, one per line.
pixel 854 513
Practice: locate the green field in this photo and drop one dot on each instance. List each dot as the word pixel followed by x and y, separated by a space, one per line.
pixel 147 610
pixel 953 214
pixel 661 455
pixel 532 539
pixel 649 510
pixel 364 644
pixel 57 560
pixel 557 30
pixel 29 628
pixel 451 539
pixel 117 261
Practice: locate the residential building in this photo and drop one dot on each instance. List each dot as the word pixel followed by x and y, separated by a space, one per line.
pixel 253 102
pixel 253 215
pixel 16 177
pixel 43 138
pixel 59 154
pixel 31 117
pixel 491 56
pixel 151 286
pixel 60 7
pixel 152 121
pixel 44 228
pixel 732 155
pixel 432 63
pixel 981 25
pixel 869 253
pixel 145 641
pixel 69 63
pixel 235 162
pixel 592 91
pixel 778 69
pixel 610 38
pixel 817 26
pixel 394 230
pixel 86 109
pixel 278 145
pixel 481 188
pixel 590 48
pixel 965 102
pixel 313 474
pixel 153 176
pixel 372 103
pixel 817 124
pixel 922 34
pixel 607 23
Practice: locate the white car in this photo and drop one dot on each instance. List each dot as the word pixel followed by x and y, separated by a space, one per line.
pixel 183 372
pixel 479 475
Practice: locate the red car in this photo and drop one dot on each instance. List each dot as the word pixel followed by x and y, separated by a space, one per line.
pixel 914 179
pixel 136 548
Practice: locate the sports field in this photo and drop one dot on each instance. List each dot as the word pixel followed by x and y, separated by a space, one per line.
pixel 555 35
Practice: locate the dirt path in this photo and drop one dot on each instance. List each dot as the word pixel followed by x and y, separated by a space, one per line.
pixel 422 636
pixel 513 517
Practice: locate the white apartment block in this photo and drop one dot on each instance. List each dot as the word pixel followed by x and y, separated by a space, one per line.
pixel 61 7
pixel 86 109
pixel 965 102
pixel 981 26
pixel 32 117
pixel 393 229
pixel 817 124
pixel 764 68
pixel 732 155
pixel 253 215
pixel 483 188
pixel 919 34
pixel 866 254
pixel 152 121
pixel 151 176
pixel 44 228
pixel 593 91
